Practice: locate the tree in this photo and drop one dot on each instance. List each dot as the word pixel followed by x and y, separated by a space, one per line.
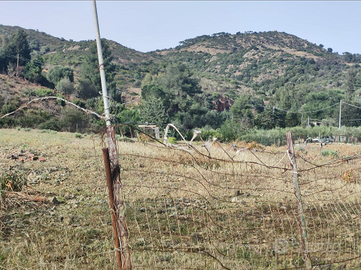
pixel 90 70
pixel 179 86
pixel 3 61
pixel 87 90
pixel 33 69
pixel 266 119
pixel 242 110
pixel 18 48
pixel 57 73
pixel 152 90
pixel 65 86
pixel 153 112
pixel 350 83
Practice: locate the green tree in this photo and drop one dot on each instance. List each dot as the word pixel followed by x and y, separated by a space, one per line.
pixel 153 112
pixel 242 110
pixel 18 47
pixel 179 86
pixel 321 105
pixel 350 83
pixel 266 119
pixel 127 115
pixel 56 73
pixel 65 86
pixel 73 120
pixel 3 61
pixel 90 70
pixel 32 70
pixel 87 90
pixel 152 90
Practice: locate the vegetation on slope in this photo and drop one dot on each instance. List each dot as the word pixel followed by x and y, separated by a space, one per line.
pixel 247 80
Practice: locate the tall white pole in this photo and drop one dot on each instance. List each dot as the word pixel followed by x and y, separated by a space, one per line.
pixel 101 67
pixel 123 253
pixel 339 116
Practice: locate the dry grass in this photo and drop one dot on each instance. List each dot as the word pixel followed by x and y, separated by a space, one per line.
pixel 186 208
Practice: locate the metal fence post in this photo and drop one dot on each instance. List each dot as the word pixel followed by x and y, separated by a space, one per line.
pixel 300 212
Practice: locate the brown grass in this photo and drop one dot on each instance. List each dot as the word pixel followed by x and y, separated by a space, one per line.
pixel 185 210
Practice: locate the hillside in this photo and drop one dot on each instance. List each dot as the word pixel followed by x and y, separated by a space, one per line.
pixel 257 62
pixel 273 69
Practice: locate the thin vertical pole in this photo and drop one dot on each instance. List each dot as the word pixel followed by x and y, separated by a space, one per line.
pixel 119 205
pixel 17 65
pixel 300 211
pixel 339 116
pixel 101 67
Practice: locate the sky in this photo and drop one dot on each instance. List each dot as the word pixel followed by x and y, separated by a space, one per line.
pixel 150 25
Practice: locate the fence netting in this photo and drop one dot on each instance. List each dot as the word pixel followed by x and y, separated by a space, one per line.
pixel 215 206
pixel 198 205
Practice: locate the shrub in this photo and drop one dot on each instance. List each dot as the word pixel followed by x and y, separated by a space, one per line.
pixel 43 92
pixel 329 153
pixel 229 131
pixel 172 140
pixel 8 107
pixel 51 124
pixel 11 181
pixel 65 86
pixel 57 73
pixel 78 135
pixel 208 133
pixel 79 103
pixel 73 120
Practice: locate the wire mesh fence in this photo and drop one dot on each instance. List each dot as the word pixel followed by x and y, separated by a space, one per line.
pixel 228 207
pixel 204 205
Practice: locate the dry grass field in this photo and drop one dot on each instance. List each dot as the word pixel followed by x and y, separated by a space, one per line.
pixel 200 207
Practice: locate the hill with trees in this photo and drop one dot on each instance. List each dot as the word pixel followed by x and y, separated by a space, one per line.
pixel 221 83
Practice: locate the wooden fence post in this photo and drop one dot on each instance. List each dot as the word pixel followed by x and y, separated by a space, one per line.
pixel 300 212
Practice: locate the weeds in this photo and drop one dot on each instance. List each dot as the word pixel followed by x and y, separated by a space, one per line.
pixel 11 181
pixel 329 153
pixel 78 135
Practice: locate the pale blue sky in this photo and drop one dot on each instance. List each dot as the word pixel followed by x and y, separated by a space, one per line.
pixel 150 25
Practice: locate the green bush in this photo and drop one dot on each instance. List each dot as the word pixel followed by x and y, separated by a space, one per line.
pixel 172 140
pixel 208 133
pixel 329 153
pixel 51 124
pixel 43 92
pixel 229 131
pixel 11 181
pixel 32 118
pixel 8 107
pixel 78 135
pixel 79 102
pixel 65 86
